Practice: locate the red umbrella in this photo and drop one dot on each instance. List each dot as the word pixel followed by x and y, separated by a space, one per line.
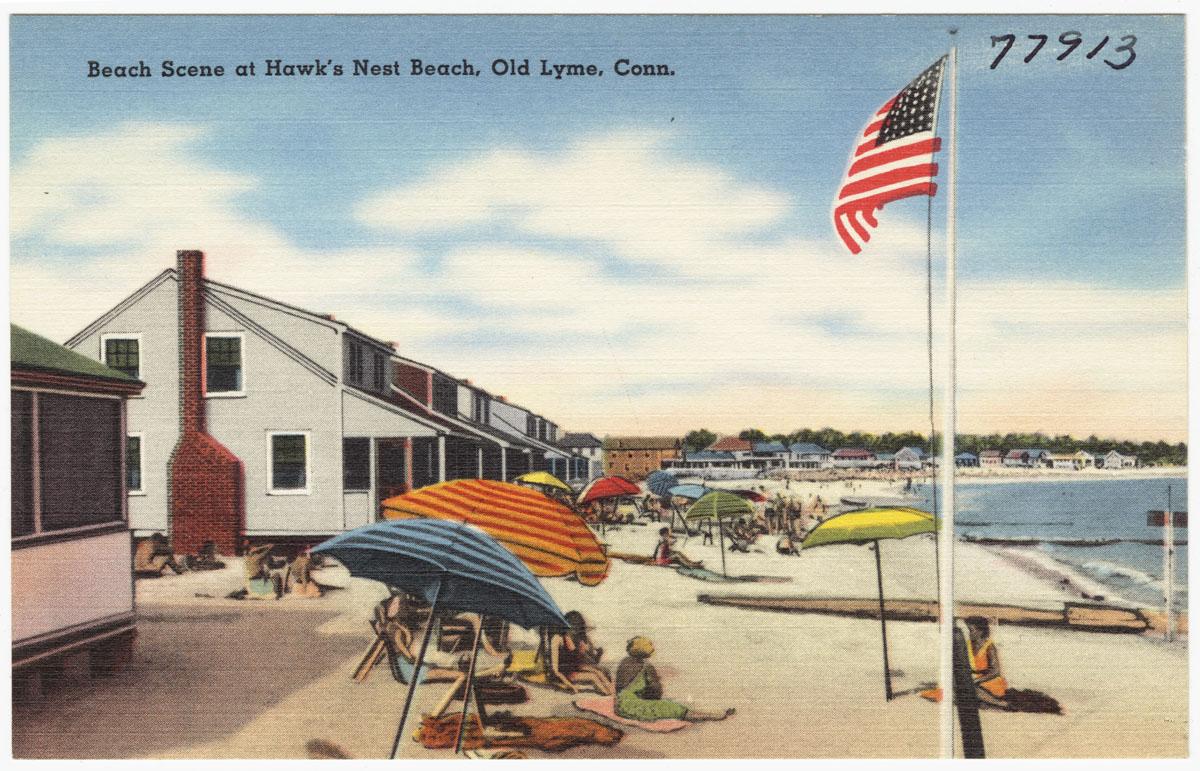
pixel 750 495
pixel 609 487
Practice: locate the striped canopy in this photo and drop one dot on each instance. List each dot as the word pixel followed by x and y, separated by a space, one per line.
pixel 449 565
pixel 609 487
pixel 660 482
pixel 544 479
pixel 548 537
pixel 719 504
pixel 871 525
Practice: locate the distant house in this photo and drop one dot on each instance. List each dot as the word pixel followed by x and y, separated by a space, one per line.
pixel 966 460
pixel 991 458
pixel 1072 460
pixel 740 449
pixel 885 460
pixel 704 460
pixel 1027 458
pixel 806 455
pixel 768 455
pixel 588 448
pixel 636 456
pixel 1115 459
pixel 72 463
pixel 853 457
pixel 912 458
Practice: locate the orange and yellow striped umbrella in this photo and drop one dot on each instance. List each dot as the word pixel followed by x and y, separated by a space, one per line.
pixel 548 537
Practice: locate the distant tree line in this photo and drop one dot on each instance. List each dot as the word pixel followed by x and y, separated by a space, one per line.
pixel 1149 453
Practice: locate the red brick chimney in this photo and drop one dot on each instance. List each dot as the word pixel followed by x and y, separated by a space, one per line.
pixel 207 480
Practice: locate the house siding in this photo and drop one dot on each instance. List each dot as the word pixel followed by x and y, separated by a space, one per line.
pixel 155 414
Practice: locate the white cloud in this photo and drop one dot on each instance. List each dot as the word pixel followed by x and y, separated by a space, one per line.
pixel 745 334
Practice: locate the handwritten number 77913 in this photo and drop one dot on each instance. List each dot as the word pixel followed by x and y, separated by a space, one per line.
pixel 1071 40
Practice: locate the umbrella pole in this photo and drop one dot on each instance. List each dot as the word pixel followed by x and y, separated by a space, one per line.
pixel 462 721
pixel 416 675
pixel 887 674
pixel 721 535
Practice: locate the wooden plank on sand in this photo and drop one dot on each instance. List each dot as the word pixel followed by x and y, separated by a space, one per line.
pixel 1084 617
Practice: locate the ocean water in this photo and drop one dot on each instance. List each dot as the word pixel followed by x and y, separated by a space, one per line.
pixel 1085 510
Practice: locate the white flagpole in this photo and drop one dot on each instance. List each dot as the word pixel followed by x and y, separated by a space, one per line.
pixel 946 534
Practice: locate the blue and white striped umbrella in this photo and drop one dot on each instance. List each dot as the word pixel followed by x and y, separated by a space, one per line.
pixel 450 565
pixel 660 482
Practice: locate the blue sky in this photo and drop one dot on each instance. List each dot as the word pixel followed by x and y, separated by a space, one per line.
pixel 1071 182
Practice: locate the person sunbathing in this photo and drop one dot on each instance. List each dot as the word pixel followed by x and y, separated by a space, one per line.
pixel 991 687
pixel 153 557
pixel 574 659
pixel 665 554
pixel 640 691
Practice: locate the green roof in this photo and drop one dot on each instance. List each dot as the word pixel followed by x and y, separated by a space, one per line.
pixel 30 351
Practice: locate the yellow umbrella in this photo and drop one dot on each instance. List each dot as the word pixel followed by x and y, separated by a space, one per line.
pixel 869 526
pixel 545 479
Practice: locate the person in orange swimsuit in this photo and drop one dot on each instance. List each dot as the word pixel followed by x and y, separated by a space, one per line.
pixel 990 685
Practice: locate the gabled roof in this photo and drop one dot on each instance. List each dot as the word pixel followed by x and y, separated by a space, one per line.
pixel 990 454
pixel 33 353
pixel 852 452
pixel 808 448
pixel 580 440
pixel 885 456
pixel 914 450
pixel 965 456
pixel 769 447
pixel 730 443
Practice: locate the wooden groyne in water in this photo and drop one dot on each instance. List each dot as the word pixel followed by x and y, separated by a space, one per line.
pixel 1086 617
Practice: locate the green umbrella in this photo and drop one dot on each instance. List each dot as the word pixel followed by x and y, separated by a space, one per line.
pixel 718 504
pixel 869 526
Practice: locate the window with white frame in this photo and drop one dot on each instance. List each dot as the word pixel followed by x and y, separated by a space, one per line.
pixel 123 353
pixel 223 364
pixel 288 456
pixel 133 464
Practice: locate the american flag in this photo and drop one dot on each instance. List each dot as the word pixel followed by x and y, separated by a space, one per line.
pixel 892 160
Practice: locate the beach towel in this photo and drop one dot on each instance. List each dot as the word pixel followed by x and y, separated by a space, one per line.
pixel 605 707
pixel 704 574
pixel 552 734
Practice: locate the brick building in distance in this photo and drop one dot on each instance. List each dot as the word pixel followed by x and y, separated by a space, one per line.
pixel 634 457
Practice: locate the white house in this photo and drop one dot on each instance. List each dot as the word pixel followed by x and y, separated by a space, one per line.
pixel 263 421
pixel 806 455
pixel 1115 459
pixel 912 458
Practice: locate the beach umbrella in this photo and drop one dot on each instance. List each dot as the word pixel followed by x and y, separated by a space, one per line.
pixel 690 491
pixel 750 495
pixel 660 482
pixel 547 536
pixel 718 504
pixel 545 479
pixel 451 565
pixel 608 487
pixel 870 526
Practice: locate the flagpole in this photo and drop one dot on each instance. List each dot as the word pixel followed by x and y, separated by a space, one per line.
pixel 946 534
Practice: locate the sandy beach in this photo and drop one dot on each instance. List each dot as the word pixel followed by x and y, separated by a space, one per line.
pixel 267 676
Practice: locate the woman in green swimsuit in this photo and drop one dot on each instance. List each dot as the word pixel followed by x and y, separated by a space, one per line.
pixel 639 690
